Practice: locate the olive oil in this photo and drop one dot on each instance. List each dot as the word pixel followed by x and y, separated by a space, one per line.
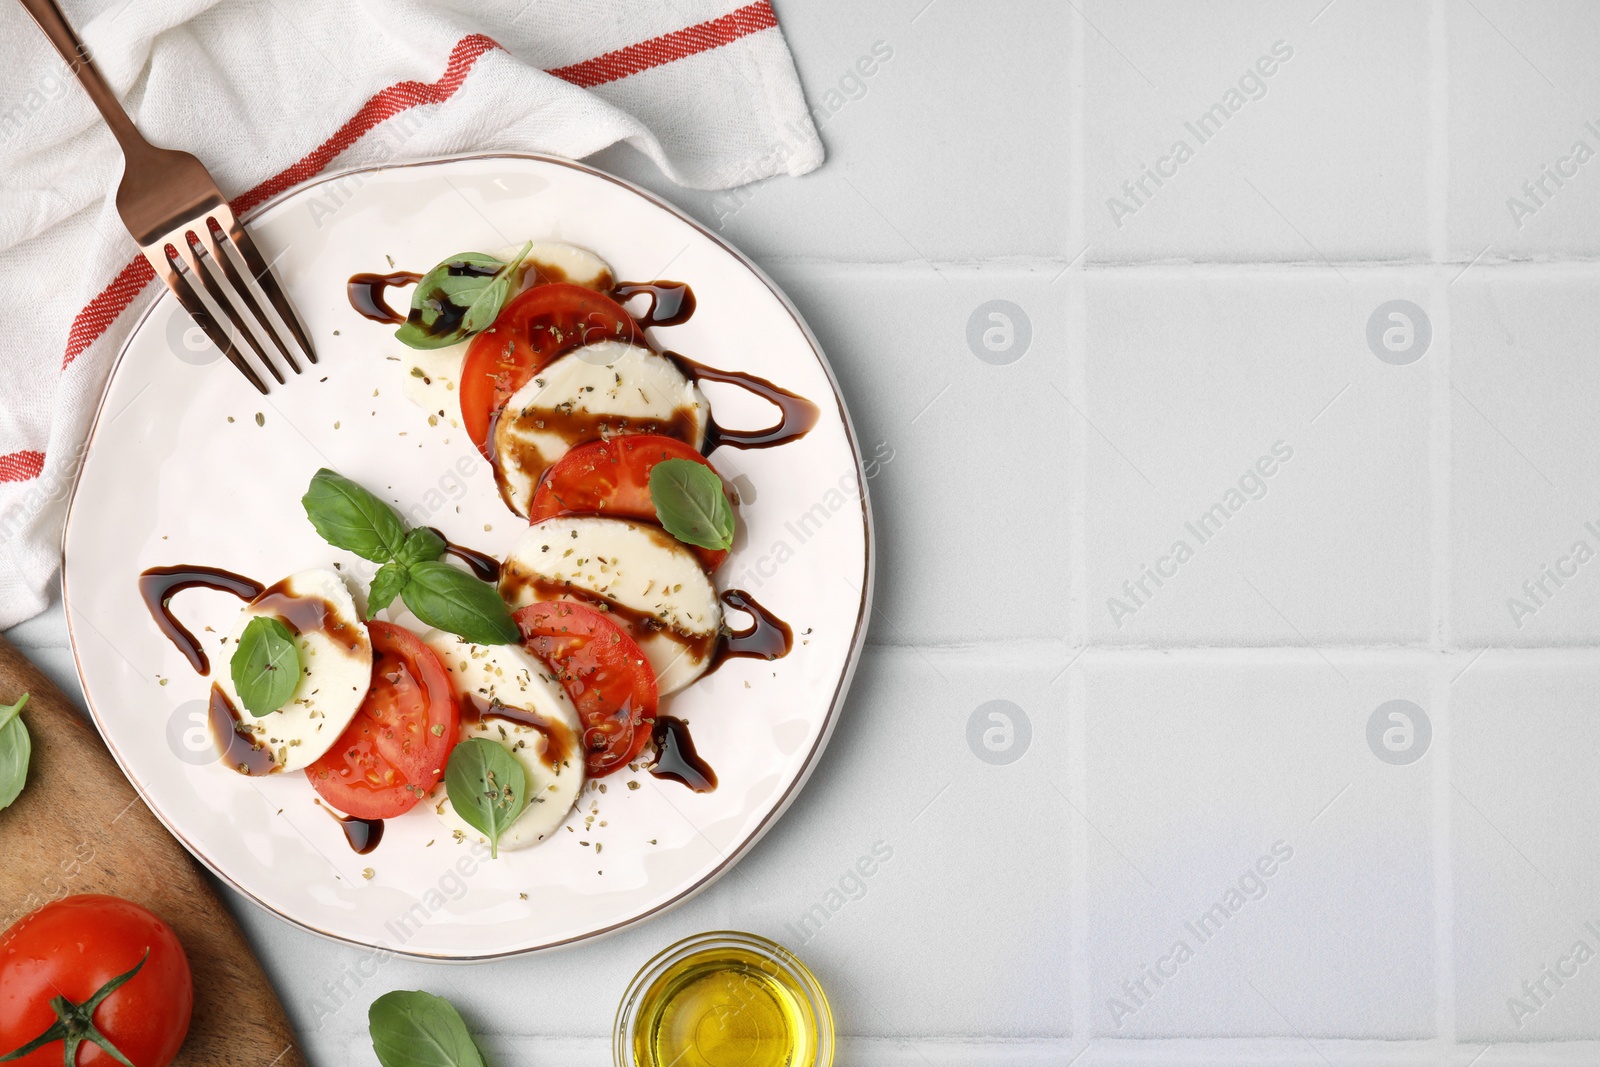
pixel 726 1006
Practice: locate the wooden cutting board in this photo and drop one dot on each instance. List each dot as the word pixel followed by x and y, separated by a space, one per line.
pixel 79 827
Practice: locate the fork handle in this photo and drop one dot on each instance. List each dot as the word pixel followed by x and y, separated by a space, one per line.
pixel 48 14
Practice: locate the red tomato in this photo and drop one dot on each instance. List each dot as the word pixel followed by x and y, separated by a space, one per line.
pixel 613 478
pixel 395 749
pixel 538 325
pixel 603 671
pixel 71 948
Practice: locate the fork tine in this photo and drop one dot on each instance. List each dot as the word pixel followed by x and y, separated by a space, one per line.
pixel 220 298
pixel 263 275
pixel 190 301
pixel 236 283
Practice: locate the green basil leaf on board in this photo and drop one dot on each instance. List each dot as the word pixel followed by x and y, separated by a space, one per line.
pixel 386 585
pixel 451 599
pixel 487 787
pixel 265 666
pixel 411 1028
pixel 16 748
pixel 458 298
pixel 349 517
pixel 691 504
pixel 422 545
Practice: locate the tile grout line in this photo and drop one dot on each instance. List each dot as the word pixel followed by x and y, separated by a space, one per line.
pixel 1023 649
pixel 1441 461
pixel 1443 866
pixel 1441 468
pixel 1439 134
pixel 1078 786
pixel 1077 601
pixel 948 1051
pixel 1050 266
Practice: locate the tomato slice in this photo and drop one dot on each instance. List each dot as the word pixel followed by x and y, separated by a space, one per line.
pixel 612 477
pixel 395 749
pixel 603 671
pixel 538 325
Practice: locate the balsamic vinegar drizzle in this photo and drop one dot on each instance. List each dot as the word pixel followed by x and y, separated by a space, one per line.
pixel 309 614
pixel 797 415
pixel 159 585
pixel 366 293
pixel 244 754
pixel 483 565
pixel 767 637
pixel 363 835
pixel 671 303
pixel 676 758
pixel 559 743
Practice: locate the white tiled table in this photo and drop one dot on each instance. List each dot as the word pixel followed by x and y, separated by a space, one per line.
pixel 1207 743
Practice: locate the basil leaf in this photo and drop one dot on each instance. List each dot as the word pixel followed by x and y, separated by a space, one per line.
pixel 349 517
pixel 386 585
pixel 422 545
pixel 16 748
pixel 265 666
pixel 487 787
pixel 411 1028
pixel 11 711
pixel 458 298
pixel 453 600
pixel 691 504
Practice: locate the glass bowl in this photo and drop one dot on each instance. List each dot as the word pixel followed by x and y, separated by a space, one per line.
pixel 724 999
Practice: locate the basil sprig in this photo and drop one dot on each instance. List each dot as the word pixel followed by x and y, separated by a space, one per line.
pixel 16 748
pixel 411 1028
pixel 349 517
pixel 265 666
pixel 691 504
pixel 458 298
pixel 487 787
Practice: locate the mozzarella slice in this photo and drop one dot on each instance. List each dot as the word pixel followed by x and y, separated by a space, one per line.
pixel 597 391
pixel 651 582
pixel 557 262
pixel 335 667
pixel 431 378
pixel 510 698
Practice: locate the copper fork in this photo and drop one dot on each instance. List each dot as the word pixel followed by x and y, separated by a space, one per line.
pixel 182 222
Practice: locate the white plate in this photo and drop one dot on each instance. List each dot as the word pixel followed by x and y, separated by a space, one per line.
pixel 169 479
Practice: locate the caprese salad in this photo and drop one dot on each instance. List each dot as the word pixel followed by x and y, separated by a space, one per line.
pixel 493 692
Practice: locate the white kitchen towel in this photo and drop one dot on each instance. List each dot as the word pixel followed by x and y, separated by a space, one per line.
pixel 270 92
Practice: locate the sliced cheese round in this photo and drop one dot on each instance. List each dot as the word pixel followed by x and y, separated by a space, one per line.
pixel 510 698
pixel 557 262
pixel 649 582
pixel 593 392
pixel 335 667
pixel 432 379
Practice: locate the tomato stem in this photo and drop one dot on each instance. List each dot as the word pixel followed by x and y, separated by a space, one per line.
pixel 75 1023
